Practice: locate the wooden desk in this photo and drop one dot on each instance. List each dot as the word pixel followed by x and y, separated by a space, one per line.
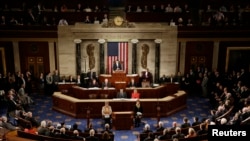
pixel 156 92
pixel 77 107
pixel 119 76
pixel 122 120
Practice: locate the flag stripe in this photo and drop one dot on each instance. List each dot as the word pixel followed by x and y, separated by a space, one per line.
pixel 117 50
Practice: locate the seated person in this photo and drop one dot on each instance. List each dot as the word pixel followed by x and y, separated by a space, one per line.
pixel 147 129
pixel 135 94
pixel 90 127
pixel 121 94
pixel 117 65
pixel 150 137
pixel 93 84
pixel 138 110
pixel 132 83
pixel 163 79
pixel 106 113
pixel 91 136
pixel 165 134
pixel 160 127
pixel 106 136
pixel 76 135
pixel 71 79
pixel 107 129
pixel 75 127
pixel 106 84
pixel 178 134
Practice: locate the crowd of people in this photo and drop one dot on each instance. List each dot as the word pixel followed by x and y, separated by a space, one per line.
pixel 223 90
pixel 228 14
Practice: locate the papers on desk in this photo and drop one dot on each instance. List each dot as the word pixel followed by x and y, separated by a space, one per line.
pixel 117 82
pixel 94 88
pixel 139 113
pixel 125 99
pixel 106 75
pixel 131 75
pixel 108 88
pixel 106 116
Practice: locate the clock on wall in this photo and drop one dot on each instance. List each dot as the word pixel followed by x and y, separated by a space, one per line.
pixel 118 20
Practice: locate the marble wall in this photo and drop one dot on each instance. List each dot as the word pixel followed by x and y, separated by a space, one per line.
pixel 145 33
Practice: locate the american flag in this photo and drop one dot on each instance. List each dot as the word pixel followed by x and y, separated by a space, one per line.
pixel 117 50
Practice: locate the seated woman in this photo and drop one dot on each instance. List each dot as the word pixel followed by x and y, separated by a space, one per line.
pixel 138 110
pixel 135 94
pixel 106 113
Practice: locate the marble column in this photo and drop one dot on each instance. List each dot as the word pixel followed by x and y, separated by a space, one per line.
pixel 157 60
pixel 101 44
pixel 78 56
pixel 134 55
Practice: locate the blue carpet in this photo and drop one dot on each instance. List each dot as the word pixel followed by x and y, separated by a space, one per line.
pixel 196 106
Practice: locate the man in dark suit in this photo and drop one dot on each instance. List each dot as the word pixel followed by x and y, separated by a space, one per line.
pixel 121 94
pixel 132 83
pixel 117 65
pixel 91 136
pixel 106 84
pixel 163 79
pixel 147 76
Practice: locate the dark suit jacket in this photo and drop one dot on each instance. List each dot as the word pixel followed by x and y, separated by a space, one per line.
pixel 91 85
pixel 148 77
pixel 133 85
pixel 117 67
pixel 106 85
pixel 121 95
pixel 91 138
pixel 93 75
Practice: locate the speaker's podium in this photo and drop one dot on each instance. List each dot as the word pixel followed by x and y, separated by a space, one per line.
pixel 123 120
pixel 119 79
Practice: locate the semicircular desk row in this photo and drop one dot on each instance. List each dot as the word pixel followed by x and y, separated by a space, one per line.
pixel 76 102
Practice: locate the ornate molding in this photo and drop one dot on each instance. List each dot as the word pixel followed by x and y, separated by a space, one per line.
pixel 101 41
pixel 134 41
pixel 158 41
pixel 77 41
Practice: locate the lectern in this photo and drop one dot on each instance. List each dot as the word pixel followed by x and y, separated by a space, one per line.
pixel 122 120
pixel 119 79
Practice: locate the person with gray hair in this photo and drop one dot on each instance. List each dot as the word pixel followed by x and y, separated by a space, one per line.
pixel 5 124
pixel 178 134
pixel 91 136
pixel 165 134
pixel 42 129
pixel 160 127
pixel 147 129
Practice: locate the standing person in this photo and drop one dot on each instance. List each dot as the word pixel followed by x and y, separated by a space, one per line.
pixel 138 111
pixel 41 82
pixel 49 84
pixel 117 65
pixel 106 113
pixel 204 85
pixel 28 81
pixel 56 80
